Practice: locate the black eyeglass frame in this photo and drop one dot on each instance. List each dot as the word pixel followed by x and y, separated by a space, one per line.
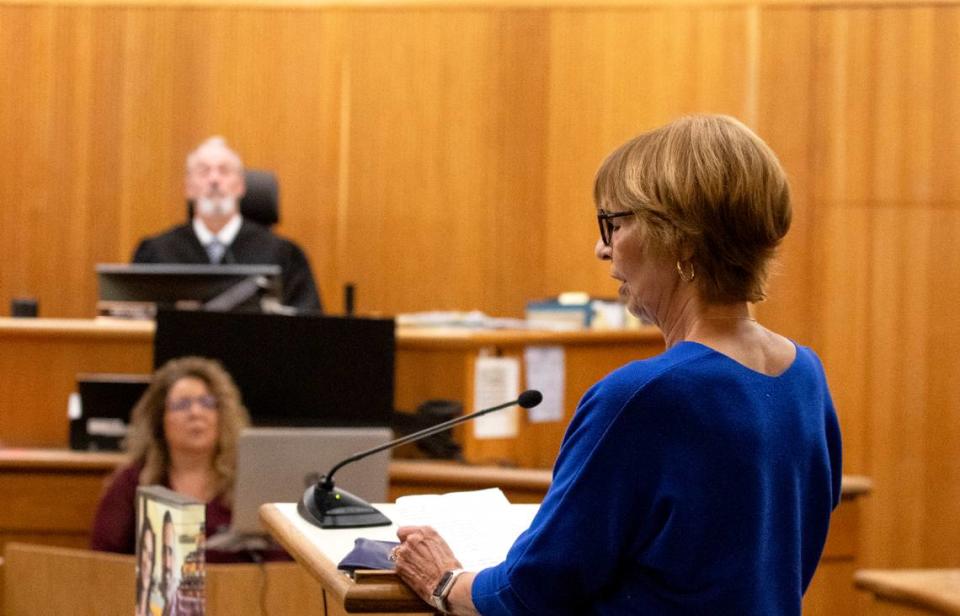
pixel 606 227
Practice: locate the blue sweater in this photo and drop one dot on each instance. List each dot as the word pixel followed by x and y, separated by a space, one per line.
pixel 686 484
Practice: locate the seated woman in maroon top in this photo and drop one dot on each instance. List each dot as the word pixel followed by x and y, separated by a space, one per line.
pixel 183 435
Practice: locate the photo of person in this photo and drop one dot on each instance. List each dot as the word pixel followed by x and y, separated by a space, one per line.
pixel 168 577
pixel 171 582
pixel 146 552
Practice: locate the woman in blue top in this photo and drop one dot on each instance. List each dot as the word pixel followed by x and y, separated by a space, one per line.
pixel 700 481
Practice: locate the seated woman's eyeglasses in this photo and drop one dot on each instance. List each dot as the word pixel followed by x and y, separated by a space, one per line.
pixel 183 404
pixel 606 227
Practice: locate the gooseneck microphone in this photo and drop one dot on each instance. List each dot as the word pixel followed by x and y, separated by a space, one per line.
pixel 326 506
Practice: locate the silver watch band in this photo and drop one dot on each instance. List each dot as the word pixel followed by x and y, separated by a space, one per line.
pixel 439 597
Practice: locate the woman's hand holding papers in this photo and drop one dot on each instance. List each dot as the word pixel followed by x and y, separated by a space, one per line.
pixel 422 559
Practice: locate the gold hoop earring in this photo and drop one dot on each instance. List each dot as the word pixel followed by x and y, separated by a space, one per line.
pixel 683 276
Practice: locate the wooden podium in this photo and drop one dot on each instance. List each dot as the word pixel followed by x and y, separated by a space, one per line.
pixel 319 550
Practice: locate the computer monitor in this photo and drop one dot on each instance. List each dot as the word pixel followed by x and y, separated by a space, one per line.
pixel 292 370
pixel 102 415
pixel 140 289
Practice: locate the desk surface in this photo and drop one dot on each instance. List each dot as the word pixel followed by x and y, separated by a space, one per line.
pixel 934 590
pixel 408 337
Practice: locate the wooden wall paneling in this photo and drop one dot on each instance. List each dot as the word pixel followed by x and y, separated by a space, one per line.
pixel 519 216
pixel 841 168
pixel 267 589
pixel 89 583
pixel 577 140
pixel 40 176
pixel 443 183
pixel 152 99
pixel 615 73
pixel 915 412
pixel 306 132
pixel 897 384
pixel 785 73
pixel 877 138
pixel 941 479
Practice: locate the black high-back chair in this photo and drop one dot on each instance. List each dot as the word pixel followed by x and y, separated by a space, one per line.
pixel 261 202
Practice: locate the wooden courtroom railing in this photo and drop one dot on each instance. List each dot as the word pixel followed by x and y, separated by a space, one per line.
pixel 42 580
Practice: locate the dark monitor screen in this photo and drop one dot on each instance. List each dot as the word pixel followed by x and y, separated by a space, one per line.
pixel 106 401
pixel 292 370
pixel 145 287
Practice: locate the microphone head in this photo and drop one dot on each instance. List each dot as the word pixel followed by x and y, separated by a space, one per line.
pixel 530 398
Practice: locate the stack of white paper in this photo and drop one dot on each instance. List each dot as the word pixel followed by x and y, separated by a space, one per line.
pixel 479 526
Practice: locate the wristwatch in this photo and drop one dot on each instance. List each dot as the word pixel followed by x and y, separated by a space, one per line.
pixel 439 595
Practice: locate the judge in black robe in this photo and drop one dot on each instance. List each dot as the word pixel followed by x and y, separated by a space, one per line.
pixel 215 183
pixel 253 245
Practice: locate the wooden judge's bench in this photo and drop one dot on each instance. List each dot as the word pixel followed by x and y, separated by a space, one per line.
pixel 40 360
pixel 49 493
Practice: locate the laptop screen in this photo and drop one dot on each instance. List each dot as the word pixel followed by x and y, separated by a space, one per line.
pixel 277 464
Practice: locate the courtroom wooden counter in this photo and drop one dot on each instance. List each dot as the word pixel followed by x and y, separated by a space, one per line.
pixel 40 360
pixel 441 363
pixel 912 591
pixel 39 363
pixel 50 496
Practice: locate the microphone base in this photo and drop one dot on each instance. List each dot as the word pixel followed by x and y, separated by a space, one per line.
pixel 335 508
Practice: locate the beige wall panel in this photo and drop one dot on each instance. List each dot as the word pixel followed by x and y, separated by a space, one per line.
pixel 913 414
pixel 613 74
pixel 886 105
pixel 783 103
pixel 883 123
pixel 941 479
pixel 444 189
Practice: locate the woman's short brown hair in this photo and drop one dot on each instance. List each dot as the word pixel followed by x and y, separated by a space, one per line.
pixel 709 191
pixel 146 442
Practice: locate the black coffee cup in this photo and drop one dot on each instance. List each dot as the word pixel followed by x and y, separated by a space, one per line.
pixel 24 307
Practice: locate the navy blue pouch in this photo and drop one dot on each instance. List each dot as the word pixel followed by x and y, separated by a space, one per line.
pixel 368 554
